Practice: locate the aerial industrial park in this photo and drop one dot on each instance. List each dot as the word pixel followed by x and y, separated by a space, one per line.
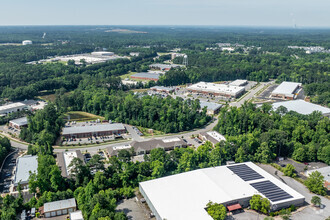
pixel 165 110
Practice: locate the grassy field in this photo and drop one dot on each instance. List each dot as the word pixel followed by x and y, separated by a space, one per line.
pixel 48 96
pixel 82 116
pixel 127 75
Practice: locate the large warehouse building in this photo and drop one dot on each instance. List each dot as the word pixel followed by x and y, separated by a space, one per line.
pixel 302 107
pixel 146 76
pixel 212 107
pixel 25 165
pixel 95 130
pixel 164 67
pixel 184 196
pixel 13 107
pixel 287 90
pixel 216 89
pixel 18 123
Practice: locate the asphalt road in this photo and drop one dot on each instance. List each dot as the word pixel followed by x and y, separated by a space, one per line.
pixel 250 94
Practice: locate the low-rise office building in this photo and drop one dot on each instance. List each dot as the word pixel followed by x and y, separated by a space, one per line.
pixel 212 107
pixel 185 195
pixel 57 208
pixel 24 166
pixel 145 147
pixel 287 90
pixel 216 89
pixel 94 130
pixel 212 136
pixel 18 123
pixel 64 160
pixel 302 107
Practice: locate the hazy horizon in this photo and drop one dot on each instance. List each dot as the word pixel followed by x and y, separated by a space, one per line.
pixel 235 13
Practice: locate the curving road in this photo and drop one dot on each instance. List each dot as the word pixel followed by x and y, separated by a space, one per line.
pixel 135 137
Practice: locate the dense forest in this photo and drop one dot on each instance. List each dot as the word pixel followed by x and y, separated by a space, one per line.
pixel 164 114
pixel 268 57
pixel 261 135
pixel 5 148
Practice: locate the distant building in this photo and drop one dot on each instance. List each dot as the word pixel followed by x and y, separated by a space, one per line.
pixel 287 90
pixel 239 82
pixel 174 55
pixel 163 89
pixel 64 160
pixel 13 107
pixel 164 67
pixel 77 215
pixel 229 49
pixel 213 136
pixel 24 166
pixel 134 54
pixel 26 42
pixel 18 123
pixel 216 89
pixel 145 147
pixel 102 53
pixel 325 171
pixel 94 130
pixel 302 107
pixel 57 208
pixel 212 107
pixel 146 76
pixel 185 195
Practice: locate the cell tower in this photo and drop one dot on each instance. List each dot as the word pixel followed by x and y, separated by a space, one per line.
pixel 185 60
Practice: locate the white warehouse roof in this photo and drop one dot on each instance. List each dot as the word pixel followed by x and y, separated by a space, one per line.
pixel 59 205
pixel 184 196
pixel 302 107
pixel 286 88
pixel 25 165
pixel 94 128
pixel 217 88
pixel 11 106
pixel 238 82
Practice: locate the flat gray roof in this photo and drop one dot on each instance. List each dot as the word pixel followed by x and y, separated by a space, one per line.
pixel 210 105
pixel 24 165
pixel 165 66
pixel 58 205
pixel 20 121
pixel 146 75
pixel 325 171
pixel 286 88
pixel 12 105
pixel 163 88
pixel 302 107
pixel 93 128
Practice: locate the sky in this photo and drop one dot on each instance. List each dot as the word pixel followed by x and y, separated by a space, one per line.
pixel 272 13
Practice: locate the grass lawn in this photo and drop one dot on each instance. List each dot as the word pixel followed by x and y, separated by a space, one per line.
pixel 127 75
pixel 147 134
pixel 82 116
pixel 48 96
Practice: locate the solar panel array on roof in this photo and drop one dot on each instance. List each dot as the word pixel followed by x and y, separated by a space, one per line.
pixel 271 191
pixel 245 172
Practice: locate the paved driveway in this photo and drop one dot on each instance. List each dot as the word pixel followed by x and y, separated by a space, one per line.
pixel 309 212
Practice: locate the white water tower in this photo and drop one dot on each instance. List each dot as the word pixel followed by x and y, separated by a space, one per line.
pixel 185 60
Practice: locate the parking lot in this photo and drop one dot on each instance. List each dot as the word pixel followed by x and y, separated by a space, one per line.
pixel 7 173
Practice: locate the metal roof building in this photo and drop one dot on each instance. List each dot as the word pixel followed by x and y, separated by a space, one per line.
pixel 212 107
pixel 161 66
pixel 302 107
pixel 163 89
pixel 61 207
pixel 286 90
pixel 19 122
pixel 185 195
pixel 216 89
pixel 325 171
pixel 146 76
pixel 99 130
pixel 13 107
pixel 25 165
